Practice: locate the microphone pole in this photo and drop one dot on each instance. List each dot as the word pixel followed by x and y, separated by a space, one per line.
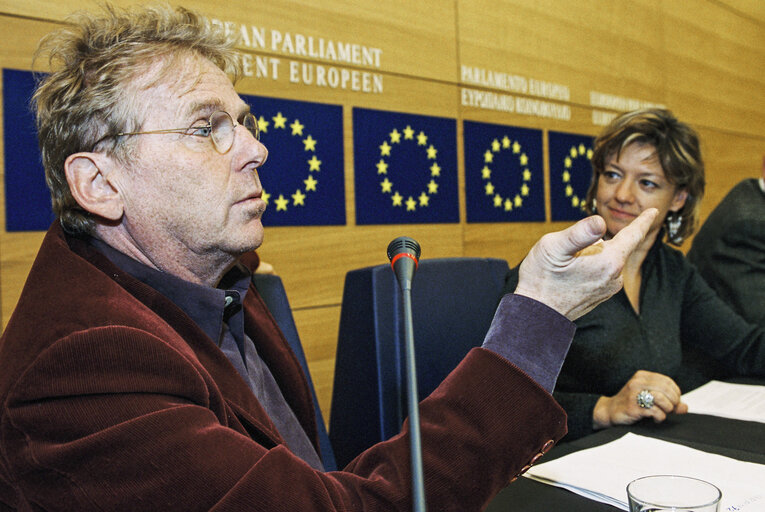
pixel 404 253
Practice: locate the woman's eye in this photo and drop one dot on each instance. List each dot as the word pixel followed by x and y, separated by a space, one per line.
pixel 649 184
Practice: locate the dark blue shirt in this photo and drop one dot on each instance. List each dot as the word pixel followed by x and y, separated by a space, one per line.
pixel 219 313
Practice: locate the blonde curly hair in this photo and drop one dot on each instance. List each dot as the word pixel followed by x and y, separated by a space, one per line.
pixel 95 61
pixel 677 149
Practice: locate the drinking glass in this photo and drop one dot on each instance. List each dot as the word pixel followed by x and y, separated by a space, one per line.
pixel 672 493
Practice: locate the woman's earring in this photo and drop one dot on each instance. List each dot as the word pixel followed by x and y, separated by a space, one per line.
pixel 674 221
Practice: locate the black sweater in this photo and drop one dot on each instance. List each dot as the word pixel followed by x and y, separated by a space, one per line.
pixel 684 330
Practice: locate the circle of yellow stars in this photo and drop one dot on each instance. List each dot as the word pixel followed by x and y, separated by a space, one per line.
pixel 574 153
pixel 279 122
pixel 395 137
pixel 506 144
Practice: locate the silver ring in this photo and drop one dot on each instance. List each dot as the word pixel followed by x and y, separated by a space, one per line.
pixel 645 399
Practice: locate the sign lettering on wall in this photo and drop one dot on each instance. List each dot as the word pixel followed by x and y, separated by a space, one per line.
pixel 337 54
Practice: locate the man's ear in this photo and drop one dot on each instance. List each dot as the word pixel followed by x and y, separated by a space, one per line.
pixel 88 177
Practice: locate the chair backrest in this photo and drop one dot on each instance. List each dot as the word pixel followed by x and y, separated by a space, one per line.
pixel 272 290
pixel 453 302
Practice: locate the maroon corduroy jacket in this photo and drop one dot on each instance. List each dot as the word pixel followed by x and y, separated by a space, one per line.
pixel 112 399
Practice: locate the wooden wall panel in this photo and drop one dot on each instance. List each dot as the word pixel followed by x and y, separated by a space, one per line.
pixel 701 58
pixel 610 47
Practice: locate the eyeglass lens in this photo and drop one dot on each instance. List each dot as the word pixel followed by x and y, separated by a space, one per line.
pixel 222 129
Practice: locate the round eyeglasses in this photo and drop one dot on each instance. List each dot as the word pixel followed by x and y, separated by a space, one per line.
pixel 219 128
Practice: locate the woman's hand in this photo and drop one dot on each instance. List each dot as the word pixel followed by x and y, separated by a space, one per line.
pixel 623 408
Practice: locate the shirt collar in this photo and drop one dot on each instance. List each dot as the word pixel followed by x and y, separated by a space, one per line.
pixel 205 305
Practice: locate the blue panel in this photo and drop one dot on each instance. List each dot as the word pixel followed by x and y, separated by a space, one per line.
pixel 27 199
pixel 405 168
pixel 570 174
pixel 303 176
pixel 504 178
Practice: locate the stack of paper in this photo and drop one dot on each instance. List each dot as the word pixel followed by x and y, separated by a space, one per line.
pixel 602 473
pixel 737 401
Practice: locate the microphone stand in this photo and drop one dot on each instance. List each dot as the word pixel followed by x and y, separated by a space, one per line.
pixel 404 253
pixel 418 485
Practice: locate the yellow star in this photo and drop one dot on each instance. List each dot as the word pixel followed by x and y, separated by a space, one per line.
pixel 279 120
pixel 497 201
pixel 581 149
pixel 526 175
pixel 281 203
pixel 488 157
pixel 505 142
pixel 508 205
pixel 432 152
pixel 424 198
pixel 382 167
pixel 435 170
pixel 298 198
pixel 432 187
pixel 384 149
pixel 310 183
pixel 567 163
pixel 386 185
pixel 566 177
pixel 397 198
pixel 297 128
pixel 263 125
pixel 489 189
pixel 518 202
pixel 314 164
pixel 411 204
pixel 486 172
pixel 569 190
pixel 310 143
pixel 524 159
pixel 422 139
pixel 516 147
pixel 589 154
pixel 395 136
pixel 265 196
pixel 495 145
pixel 575 201
pixel 524 190
pixel 573 152
pixel 408 132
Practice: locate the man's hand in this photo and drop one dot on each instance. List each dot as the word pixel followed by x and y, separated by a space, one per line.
pixel 574 270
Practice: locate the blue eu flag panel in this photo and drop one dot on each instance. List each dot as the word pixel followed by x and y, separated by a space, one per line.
pixel 27 200
pixel 303 177
pixel 570 174
pixel 405 168
pixel 504 178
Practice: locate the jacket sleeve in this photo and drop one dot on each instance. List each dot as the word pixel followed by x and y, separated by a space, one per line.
pixel 710 324
pixel 113 418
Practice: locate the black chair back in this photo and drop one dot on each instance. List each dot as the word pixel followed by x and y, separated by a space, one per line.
pixel 453 302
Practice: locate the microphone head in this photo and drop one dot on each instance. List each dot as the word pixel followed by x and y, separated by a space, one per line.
pixel 404 245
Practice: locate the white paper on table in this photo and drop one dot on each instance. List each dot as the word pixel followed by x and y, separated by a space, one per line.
pixel 602 473
pixel 737 401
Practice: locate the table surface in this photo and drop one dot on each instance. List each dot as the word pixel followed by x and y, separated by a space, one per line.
pixel 742 440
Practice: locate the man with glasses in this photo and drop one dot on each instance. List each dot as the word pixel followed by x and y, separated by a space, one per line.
pixel 142 371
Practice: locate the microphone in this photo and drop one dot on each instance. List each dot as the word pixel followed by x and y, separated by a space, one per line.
pixel 404 254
